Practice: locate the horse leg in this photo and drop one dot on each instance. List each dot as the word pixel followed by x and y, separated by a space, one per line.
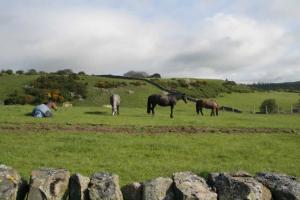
pixel 217 111
pixel 201 111
pixel 118 110
pixel 171 115
pixel 152 108
pixel 112 111
pixel 212 112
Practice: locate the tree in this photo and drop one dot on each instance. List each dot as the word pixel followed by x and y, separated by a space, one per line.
pixel 64 72
pixel 269 106
pixel 31 72
pixel 19 72
pixel 135 74
pixel 9 71
pixel 81 73
pixel 156 75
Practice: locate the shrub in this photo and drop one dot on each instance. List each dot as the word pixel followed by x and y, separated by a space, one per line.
pixel 156 75
pixel 19 72
pixel 137 83
pixel 269 106
pixel 183 83
pixel 110 84
pixel 81 73
pixel 64 72
pixel 14 98
pixel 31 72
pixel 57 87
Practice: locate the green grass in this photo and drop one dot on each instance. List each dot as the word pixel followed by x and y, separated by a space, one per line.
pixel 136 96
pixel 184 114
pixel 140 157
pixel 247 102
pixel 10 83
pixel 137 157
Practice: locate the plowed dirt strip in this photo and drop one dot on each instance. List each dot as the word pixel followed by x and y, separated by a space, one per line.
pixel 44 127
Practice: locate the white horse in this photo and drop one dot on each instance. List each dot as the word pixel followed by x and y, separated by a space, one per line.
pixel 115 101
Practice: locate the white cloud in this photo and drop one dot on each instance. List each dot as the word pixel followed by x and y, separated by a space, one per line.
pixel 114 41
pixel 232 46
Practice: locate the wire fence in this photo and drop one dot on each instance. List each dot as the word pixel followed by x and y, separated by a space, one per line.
pixel 255 109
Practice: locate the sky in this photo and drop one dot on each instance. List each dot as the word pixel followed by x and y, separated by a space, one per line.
pixel 240 40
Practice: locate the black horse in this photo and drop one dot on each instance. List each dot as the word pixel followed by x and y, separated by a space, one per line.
pixel 164 100
pixel 209 104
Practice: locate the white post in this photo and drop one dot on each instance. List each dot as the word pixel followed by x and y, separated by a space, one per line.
pixel 254 109
pixel 266 110
pixel 291 108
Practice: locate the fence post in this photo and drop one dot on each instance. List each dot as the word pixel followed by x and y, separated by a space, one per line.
pixel 266 110
pixel 291 108
pixel 254 109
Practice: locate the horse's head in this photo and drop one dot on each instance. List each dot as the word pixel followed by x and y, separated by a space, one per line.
pixel 184 97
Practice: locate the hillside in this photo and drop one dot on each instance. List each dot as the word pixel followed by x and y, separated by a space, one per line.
pixel 286 86
pixel 134 93
pixel 132 89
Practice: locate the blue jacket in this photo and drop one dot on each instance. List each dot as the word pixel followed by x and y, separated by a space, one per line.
pixel 40 111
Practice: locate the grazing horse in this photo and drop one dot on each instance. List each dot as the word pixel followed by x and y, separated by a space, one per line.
pixel 115 101
pixel 164 100
pixel 44 110
pixel 209 104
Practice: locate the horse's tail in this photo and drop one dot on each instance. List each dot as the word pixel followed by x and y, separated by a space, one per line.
pixel 149 105
pixel 217 109
pixel 197 107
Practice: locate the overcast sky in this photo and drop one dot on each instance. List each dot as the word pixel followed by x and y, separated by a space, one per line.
pixel 241 40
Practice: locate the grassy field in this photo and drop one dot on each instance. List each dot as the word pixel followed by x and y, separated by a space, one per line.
pixel 249 102
pixel 184 115
pixel 140 157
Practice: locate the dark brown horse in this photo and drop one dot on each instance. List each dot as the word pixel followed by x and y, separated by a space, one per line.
pixel 209 104
pixel 164 100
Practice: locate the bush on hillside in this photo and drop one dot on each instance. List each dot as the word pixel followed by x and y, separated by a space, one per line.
pixel 57 87
pixel 8 71
pixel 137 83
pixel 296 108
pixel 269 106
pixel 64 72
pixel 81 73
pixel 31 72
pixel 15 98
pixel 156 75
pixel 19 72
pixel 110 84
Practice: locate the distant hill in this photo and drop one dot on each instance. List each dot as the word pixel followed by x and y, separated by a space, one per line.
pixel 286 86
pixel 100 87
pixel 134 92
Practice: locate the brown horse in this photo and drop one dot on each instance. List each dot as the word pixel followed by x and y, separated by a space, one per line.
pixel 164 100
pixel 209 104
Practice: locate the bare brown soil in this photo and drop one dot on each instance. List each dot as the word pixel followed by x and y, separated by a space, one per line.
pixel 48 127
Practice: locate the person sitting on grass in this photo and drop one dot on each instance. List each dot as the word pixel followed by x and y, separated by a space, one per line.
pixel 44 110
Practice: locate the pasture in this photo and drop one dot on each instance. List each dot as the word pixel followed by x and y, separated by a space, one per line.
pixel 136 146
pixel 127 147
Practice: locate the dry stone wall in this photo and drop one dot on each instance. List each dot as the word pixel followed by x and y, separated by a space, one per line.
pixel 58 184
